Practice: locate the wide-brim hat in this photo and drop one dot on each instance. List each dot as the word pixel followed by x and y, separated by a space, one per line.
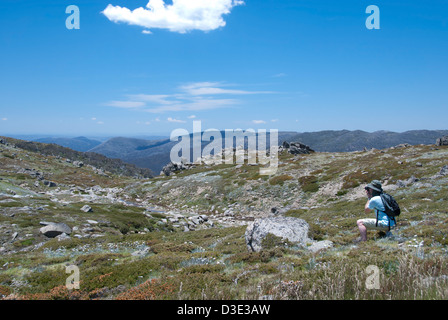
pixel 375 185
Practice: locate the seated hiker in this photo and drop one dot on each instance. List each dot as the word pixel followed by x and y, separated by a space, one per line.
pixel 374 203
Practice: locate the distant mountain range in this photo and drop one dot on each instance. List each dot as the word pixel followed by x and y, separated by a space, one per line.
pixel 99 161
pixel 153 152
pixel 82 144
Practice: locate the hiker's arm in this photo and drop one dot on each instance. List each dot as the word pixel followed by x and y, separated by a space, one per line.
pixel 366 207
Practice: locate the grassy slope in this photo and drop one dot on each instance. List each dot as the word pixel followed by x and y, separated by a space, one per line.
pixel 325 189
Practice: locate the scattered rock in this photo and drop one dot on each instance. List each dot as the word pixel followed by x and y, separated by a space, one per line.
pixel 33 173
pixel 78 164
pixel 50 184
pixel 405 183
pixel 86 208
pixel 196 220
pixel 142 252
pixel 63 236
pixel 320 245
pixel 174 167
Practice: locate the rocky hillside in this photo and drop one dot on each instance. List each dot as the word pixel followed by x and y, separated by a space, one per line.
pixel 104 163
pixel 184 236
pixel 346 140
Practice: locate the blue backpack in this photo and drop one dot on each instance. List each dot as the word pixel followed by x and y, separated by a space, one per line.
pixel 392 209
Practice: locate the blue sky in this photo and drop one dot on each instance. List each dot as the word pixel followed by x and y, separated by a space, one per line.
pixel 276 64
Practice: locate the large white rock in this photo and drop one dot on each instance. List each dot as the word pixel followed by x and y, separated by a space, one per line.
pixel 294 230
pixel 52 230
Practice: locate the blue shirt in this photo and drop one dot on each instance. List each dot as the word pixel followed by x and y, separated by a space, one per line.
pixel 376 203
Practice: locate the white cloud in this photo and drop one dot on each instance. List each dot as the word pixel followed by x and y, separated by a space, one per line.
pixel 146 32
pixel 4 119
pixel 212 88
pixel 192 116
pixel 194 105
pixel 100 122
pixel 154 98
pixel 93 118
pixel 126 104
pixel 189 97
pixel 274 120
pixel 258 121
pixel 180 16
pixel 175 120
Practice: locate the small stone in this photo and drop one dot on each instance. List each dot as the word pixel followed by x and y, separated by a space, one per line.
pixel 86 208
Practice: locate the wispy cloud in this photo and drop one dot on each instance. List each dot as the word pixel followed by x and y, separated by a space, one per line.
pixel 279 75
pixel 4 119
pixel 189 97
pixel 213 88
pixel 152 98
pixel 194 105
pixel 259 121
pixel 126 104
pixel 169 119
pixel 180 16
pixel 95 119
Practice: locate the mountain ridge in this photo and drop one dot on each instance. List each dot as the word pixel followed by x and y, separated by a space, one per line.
pixel 113 165
pixel 80 143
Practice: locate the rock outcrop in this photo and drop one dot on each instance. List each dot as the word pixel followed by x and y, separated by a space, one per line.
pixel 296 148
pixel 174 167
pixel 443 141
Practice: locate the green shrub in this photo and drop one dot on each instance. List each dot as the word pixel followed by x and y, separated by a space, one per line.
pixel 279 180
pixel 309 183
